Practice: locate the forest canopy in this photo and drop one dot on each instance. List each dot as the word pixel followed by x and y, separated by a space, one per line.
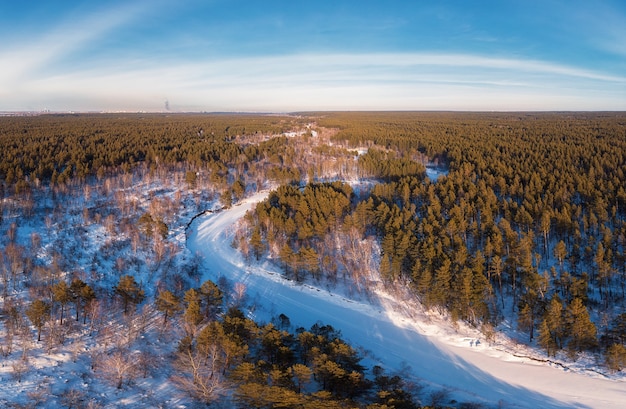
pixel 521 225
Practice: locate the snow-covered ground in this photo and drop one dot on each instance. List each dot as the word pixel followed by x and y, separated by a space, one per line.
pixel 69 358
pixel 435 173
pixel 401 338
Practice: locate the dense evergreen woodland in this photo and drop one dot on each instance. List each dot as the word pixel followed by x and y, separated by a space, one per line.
pixel 527 222
pixel 529 219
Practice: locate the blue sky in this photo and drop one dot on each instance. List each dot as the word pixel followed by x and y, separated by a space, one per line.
pixel 284 56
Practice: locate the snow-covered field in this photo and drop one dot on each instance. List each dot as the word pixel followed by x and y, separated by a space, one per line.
pixel 440 356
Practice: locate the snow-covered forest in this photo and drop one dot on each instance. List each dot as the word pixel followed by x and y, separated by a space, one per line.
pixel 506 231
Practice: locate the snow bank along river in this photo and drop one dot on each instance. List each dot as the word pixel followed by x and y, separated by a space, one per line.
pixel 475 373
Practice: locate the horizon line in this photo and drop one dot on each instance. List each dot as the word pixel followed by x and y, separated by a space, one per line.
pixel 5 113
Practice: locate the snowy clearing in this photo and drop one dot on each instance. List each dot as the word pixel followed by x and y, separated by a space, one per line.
pixel 436 355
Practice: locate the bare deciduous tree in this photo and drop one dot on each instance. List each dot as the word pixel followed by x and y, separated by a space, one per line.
pixel 239 293
pixel 72 399
pixel 19 367
pixel 198 376
pixel 119 366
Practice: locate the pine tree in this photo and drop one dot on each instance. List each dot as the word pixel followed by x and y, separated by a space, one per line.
pixel 75 290
pixel 442 284
pixel 256 242
pixel 161 228
pixel 423 280
pixel 560 252
pixel 287 257
pixel 526 320
pixel 168 303
pixel 193 313
pixel 61 293
pixel 226 198
pixel 553 317
pixel 546 340
pixel 212 296
pixel 581 330
pixel 86 296
pixel 462 290
pixel 301 375
pixel 238 189
pixel 130 292
pixel 146 224
pixel 246 372
pixel 310 260
pixel 615 357
pixel 385 266
pixel 38 313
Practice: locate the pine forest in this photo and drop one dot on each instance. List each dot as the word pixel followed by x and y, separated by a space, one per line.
pixel 503 222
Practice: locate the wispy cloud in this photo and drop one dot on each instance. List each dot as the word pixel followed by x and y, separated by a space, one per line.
pixel 337 81
pixel 603 25
pixel 92 59
pixel 23 59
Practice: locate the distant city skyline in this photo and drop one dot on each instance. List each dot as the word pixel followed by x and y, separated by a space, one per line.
pixel 285 56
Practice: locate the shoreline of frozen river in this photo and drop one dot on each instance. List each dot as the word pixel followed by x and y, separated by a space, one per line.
pixel 442 359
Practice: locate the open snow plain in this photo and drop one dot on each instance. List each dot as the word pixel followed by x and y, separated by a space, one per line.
pixel 439 358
